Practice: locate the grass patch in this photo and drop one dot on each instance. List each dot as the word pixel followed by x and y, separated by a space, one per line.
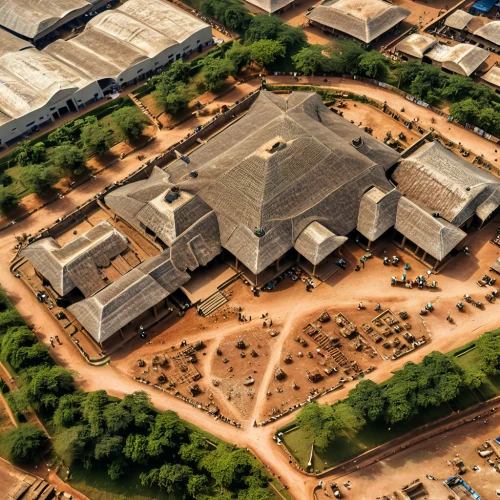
pixel 350 445
pixel 97 485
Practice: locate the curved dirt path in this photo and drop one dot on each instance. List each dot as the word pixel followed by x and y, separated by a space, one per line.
pixel 258 439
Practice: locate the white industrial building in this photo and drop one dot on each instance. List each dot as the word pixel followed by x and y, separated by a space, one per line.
pixel 117 48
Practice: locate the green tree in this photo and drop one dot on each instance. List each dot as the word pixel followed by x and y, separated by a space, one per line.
pixel 8 200
pixel 196 484
pixel 21 349
pixel 18 402
pixel 71 444
pixel 93 411
pixel 320 423
pixel 310 60
pixel 368 399
pixel 136 449
pixel 237 17
pixel 408 71
pixel 457 85
pixel 195 450
pixel 108 447
pixel 373 65
pixel 264 52
pixel 24 444
pixel 10 318
pixel 70 159
pixel 26 153
pixel 69 409
pixel 474 378
pixel 39 178
pixel 168 431
pixel 46 384
pixel 177 72
pixel 227 465
pixel 465 111
pixel 264 27
pixel 488 347
pixel 117 418
pixel 217 71
pixel 169 477
pixel 345 55
pixel 140 407
pixel 174 98
pixel 96 138
pixel 428 83
pixel 130 122
pixel 239 55
pixel 488 118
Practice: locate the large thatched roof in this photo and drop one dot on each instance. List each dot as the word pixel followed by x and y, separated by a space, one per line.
pixel 134 293
pixel 365 20
pixel 76 263
pixel 446 183
pixel 416 45
pixel 377 212
pixel 462 58
pixel 434 235
pixel 285 164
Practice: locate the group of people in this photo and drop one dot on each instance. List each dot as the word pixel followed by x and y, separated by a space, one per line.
pixel 52 341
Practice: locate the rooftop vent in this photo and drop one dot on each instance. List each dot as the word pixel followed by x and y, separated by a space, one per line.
pixel 357 143
pixel 172 194
pixel 193 174
pixel 277 146
pixel 467 188
pixel 259 232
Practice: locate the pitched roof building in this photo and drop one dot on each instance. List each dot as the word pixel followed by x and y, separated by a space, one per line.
pixel 285 165
pixel 288 179
pixel 76 264
pixel 365 20
pixel 443 192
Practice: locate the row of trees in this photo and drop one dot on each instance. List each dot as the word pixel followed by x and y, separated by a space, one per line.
pixel 71 145
pixel 99 431
pixel 437 380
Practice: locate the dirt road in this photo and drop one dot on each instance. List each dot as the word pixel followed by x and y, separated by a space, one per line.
pixel 347 289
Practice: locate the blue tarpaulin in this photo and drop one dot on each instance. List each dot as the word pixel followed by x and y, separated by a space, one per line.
pixel 483 6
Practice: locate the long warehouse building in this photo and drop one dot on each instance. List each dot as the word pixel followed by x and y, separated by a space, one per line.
pixel 117 48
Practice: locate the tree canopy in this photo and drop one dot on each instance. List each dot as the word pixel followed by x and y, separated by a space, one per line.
pixel 264 52
pixel 488 347
pixel 24 444
pixel 96 138
pixel 69 159
pixel 8 200
pixel 130 122
pixel 39 178
pixel 216 72
pixel 310 60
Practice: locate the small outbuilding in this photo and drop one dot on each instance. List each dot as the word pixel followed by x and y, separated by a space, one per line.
pixel 463 59
pixel 415 46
